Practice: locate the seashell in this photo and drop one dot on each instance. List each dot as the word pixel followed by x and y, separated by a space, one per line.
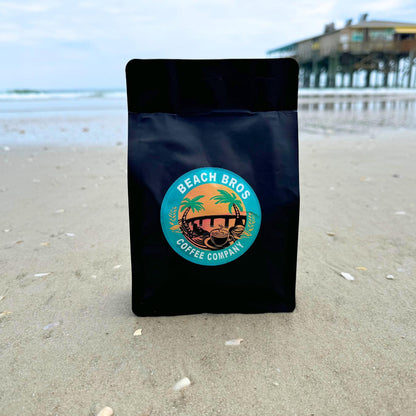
pixel 50 326
pixel 5 313
pixel 70 234
pixel 330 233
pixel 41 274
pixel 137 332
pixel 106 411
pixel 234 342
pixel 361 268
pixel 347 276
pixel 117 266
pixel 390 277
pixel 182 383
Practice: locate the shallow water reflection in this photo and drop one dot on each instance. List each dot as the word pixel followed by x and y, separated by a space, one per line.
pixel 352 114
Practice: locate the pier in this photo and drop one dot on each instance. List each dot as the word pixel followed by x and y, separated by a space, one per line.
pixel 213 221
pixel 369 53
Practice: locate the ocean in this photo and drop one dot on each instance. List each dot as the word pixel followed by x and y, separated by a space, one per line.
pixel 99 116
pixel 43 102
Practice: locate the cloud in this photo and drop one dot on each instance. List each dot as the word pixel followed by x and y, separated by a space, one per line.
pixel 93 36
pixel 384 5
pixel 11 7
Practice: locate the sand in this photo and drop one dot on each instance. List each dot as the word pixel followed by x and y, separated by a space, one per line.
pixel 67 346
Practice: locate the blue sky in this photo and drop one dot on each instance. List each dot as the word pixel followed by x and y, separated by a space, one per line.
pixel 85 44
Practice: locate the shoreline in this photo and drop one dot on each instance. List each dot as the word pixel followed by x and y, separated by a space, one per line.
pixel 108 126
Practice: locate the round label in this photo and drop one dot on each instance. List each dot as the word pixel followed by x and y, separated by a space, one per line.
pixel 210 216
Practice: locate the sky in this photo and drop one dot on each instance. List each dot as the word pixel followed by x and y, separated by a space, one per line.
pixel 61 44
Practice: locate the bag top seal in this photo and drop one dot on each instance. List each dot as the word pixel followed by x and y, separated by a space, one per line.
pixel 181 85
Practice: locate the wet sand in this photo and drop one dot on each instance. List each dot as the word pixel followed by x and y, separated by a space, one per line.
pixel 67 345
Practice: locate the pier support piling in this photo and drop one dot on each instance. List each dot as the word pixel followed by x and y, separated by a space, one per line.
pixel 396 72
pixel 385 73
pixel 368 78
pixel 410 69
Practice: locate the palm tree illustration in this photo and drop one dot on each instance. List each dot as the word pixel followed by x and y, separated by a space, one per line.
pixel 190 204
pixel 233 202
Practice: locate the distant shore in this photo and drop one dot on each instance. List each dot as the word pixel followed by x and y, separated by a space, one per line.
pixel 97 119
pixel 39 94
pixel 357 92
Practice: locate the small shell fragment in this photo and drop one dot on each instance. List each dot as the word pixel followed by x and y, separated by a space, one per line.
pixel 361 268
pixel 137 332
pixel 7 230
pixel 51 325
pixel 117 266
pixel 59 211
pixel 1 298
pixel 44 244
pixel 400 212
pixel 182 383
pixel 347 276
pixel 234 342
pixel 41 274
pixel 5 313
pixel 330 233
pixel 390 277
pixel 70 234
pixel 106 411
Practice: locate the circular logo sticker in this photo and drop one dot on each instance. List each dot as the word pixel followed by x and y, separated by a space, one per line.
pixel 210 216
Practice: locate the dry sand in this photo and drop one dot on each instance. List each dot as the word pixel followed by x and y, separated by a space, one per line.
pixel 67 347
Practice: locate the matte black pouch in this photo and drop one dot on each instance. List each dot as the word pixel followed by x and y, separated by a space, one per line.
pixel 213 185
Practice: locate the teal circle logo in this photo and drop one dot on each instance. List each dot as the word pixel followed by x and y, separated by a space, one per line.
pixel 210 216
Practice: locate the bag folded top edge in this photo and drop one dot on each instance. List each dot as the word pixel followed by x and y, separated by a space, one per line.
pixel 185 85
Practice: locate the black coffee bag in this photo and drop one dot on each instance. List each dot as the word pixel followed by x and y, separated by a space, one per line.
pixel 213 185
